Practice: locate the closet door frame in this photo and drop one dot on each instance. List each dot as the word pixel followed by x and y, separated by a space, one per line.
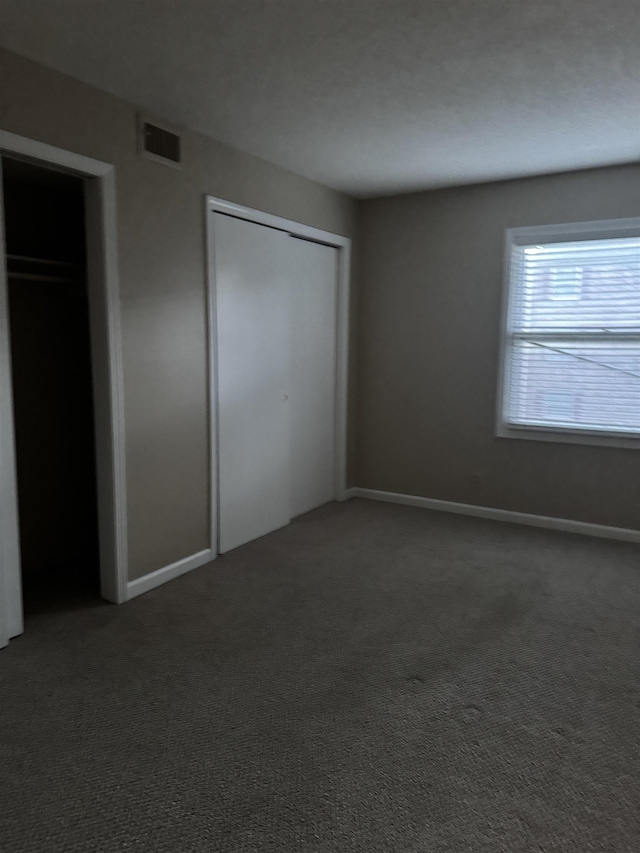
pixel 106 358
pixel 296 229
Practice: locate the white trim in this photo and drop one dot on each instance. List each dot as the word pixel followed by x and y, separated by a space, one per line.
pixel 212 375
pixel 566 232
pixel 343 245
pixel 11 623
pixel 107 374
pixel 11 143
pixel 168 573
pixel 342 368
pixel 106 358
pixel 529 432
pixel 564 524
pixel 262 218
pixel 610 228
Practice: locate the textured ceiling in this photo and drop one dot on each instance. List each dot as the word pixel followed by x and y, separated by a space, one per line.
pixel 368 96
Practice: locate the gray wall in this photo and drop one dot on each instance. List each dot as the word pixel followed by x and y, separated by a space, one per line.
pixel 162 278
pixel 428 358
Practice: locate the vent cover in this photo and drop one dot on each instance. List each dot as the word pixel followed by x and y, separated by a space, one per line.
pixel 160 144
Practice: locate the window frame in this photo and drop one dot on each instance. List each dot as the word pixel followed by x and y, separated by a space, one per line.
pixel 525 236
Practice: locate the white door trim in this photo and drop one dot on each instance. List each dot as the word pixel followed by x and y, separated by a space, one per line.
pixel 343 245
pixel 106 350
pixel 10 582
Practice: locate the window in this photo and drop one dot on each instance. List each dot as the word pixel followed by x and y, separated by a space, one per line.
pixel 571 341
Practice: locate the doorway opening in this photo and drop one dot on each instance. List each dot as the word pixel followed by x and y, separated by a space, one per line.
pixel 51 377
pixel 84 191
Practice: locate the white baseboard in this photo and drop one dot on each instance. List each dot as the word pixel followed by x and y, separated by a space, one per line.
pixel 563 524
pixel 168 573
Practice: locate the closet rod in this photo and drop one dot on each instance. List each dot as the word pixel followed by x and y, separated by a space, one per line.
pixel 27 259
pixel 30 276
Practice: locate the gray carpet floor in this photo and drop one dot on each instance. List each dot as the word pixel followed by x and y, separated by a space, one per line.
pixel 371 679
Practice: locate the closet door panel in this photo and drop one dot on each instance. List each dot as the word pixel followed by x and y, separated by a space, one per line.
pixel 313 373
pixel 253 330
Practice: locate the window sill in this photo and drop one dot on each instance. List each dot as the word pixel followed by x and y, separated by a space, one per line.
pixel 566 436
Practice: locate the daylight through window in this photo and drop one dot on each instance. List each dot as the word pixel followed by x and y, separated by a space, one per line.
pixel 572 338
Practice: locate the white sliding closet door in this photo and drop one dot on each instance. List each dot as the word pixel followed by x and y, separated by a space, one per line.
pixel 314 270
pixel 253 338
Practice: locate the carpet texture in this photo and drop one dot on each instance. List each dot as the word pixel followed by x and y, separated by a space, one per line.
pixel 371 679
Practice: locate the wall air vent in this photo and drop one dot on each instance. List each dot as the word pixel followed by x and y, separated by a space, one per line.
pixel 160 143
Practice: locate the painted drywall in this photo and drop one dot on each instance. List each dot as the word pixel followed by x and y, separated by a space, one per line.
pixel 428 356
pixel 371 97
pixel 162 278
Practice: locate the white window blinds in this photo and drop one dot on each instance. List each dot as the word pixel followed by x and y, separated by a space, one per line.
pixel 572 339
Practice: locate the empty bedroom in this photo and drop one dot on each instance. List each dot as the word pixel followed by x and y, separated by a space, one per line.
pixel 320 426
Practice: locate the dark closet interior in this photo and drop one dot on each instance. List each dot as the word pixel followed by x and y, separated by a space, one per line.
pixel 52 383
